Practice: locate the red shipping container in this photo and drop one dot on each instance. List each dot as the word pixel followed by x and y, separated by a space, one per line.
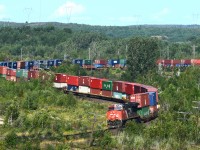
pixel 3 69
pixel 195 62
pixel 160 61
pixel 141 98
pixel 131 88
pixel 106 93
pixel 95 91
pixel 11 72
pixel 20 64
pixel 96 83
pixel 84 81
pixel 153 109
pixel 101 61
pixel 60 78
pixel 175 62
pixel 72 80
pixel 167 61
pixel 33 74
pixel 119 86
pixel 152 89
pixel 186 61
pixel 88 66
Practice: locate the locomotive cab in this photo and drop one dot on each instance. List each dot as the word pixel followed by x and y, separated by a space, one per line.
pixel 118 114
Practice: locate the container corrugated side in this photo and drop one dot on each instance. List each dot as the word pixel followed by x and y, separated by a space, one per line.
pixel 107 85
pixel 84 89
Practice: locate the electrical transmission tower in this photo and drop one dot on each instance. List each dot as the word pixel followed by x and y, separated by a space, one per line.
pixel 27 12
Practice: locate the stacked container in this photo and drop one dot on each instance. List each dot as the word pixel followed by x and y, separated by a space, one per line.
pixel 119 91
pixel 100 63
pixel 3 71
pixel 107 87
pixel 153 102
pixel 72 83
pixel 141 98
pixel 96 86
pixel 21 74
pixel 84 84
pixel 60 80
pixel 11 74
pixel 87 63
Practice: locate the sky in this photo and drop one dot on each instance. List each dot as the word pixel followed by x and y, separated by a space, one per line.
pixel 102 12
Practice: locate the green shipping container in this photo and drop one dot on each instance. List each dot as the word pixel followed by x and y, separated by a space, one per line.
pixel 87 62
pixel 107 85
pixel 143 112
pixel 122 61
pixel 22 73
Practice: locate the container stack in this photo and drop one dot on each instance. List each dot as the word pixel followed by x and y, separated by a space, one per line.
pixel 87 63
pixel 60 80
pixel 100 63
pixel 96 86
pixel 22 74
pixel 84 84
pixel 72 83
pixel 107 87
pixel 78 61
pixel 119 91
pixel 153 102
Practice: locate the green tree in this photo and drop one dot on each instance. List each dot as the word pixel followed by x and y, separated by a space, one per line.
pixel 142 55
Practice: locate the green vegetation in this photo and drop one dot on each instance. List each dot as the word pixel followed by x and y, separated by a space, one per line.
pixel 37 116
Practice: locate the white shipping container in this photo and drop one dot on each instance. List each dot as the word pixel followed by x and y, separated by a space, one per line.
pixel 59 85
pixel 84 89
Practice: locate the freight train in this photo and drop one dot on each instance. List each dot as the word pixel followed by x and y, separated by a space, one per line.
pixel 84 63
pixel 142 99
pixel 178 63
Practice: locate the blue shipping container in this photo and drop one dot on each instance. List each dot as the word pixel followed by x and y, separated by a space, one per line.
pixel 5 64
pixel 152 98
pixel 78 61
pixel 58 62
pixel 115 61
pixel 50 63
pixel 72 88
pixel 10 64
pixel 14 65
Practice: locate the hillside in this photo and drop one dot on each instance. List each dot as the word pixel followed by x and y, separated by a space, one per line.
pixel 174 33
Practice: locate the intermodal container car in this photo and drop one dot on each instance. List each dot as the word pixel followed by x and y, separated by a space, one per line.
pixel 33 74
pixel 144 112
pixel 72 88
pixel 119 95
pixel 101 61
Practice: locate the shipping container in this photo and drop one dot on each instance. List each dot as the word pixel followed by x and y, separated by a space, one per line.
pixel 106 93
pixel 152 89
pixel 14 65
pixel 5 64
pixel 119 86
pixel 72 88
pixel 107 85
pixel 3 70
pixel 96 83
pixel 152 99
pixel 11 72
pixel 72 80
pixel 3 75
pixel 141 98
pixel 131 88
pixel 84 89
pixel 10 64
pixel 101 61
pixel 20 64
pixel 185 62
pixel 22 73
pixel 84 81
pixel 143 112
pixel 95 91
pixel 58 62
pixel 59 85
pixel 50 63
pixel 122 62
pixel 175 62
pixel 119 95
pixel 33 74
pixel 167 62
pixel 60 78
pixel 87 62
pixel 78 61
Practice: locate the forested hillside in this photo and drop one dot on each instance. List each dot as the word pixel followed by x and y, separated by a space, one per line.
pixel 37 116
